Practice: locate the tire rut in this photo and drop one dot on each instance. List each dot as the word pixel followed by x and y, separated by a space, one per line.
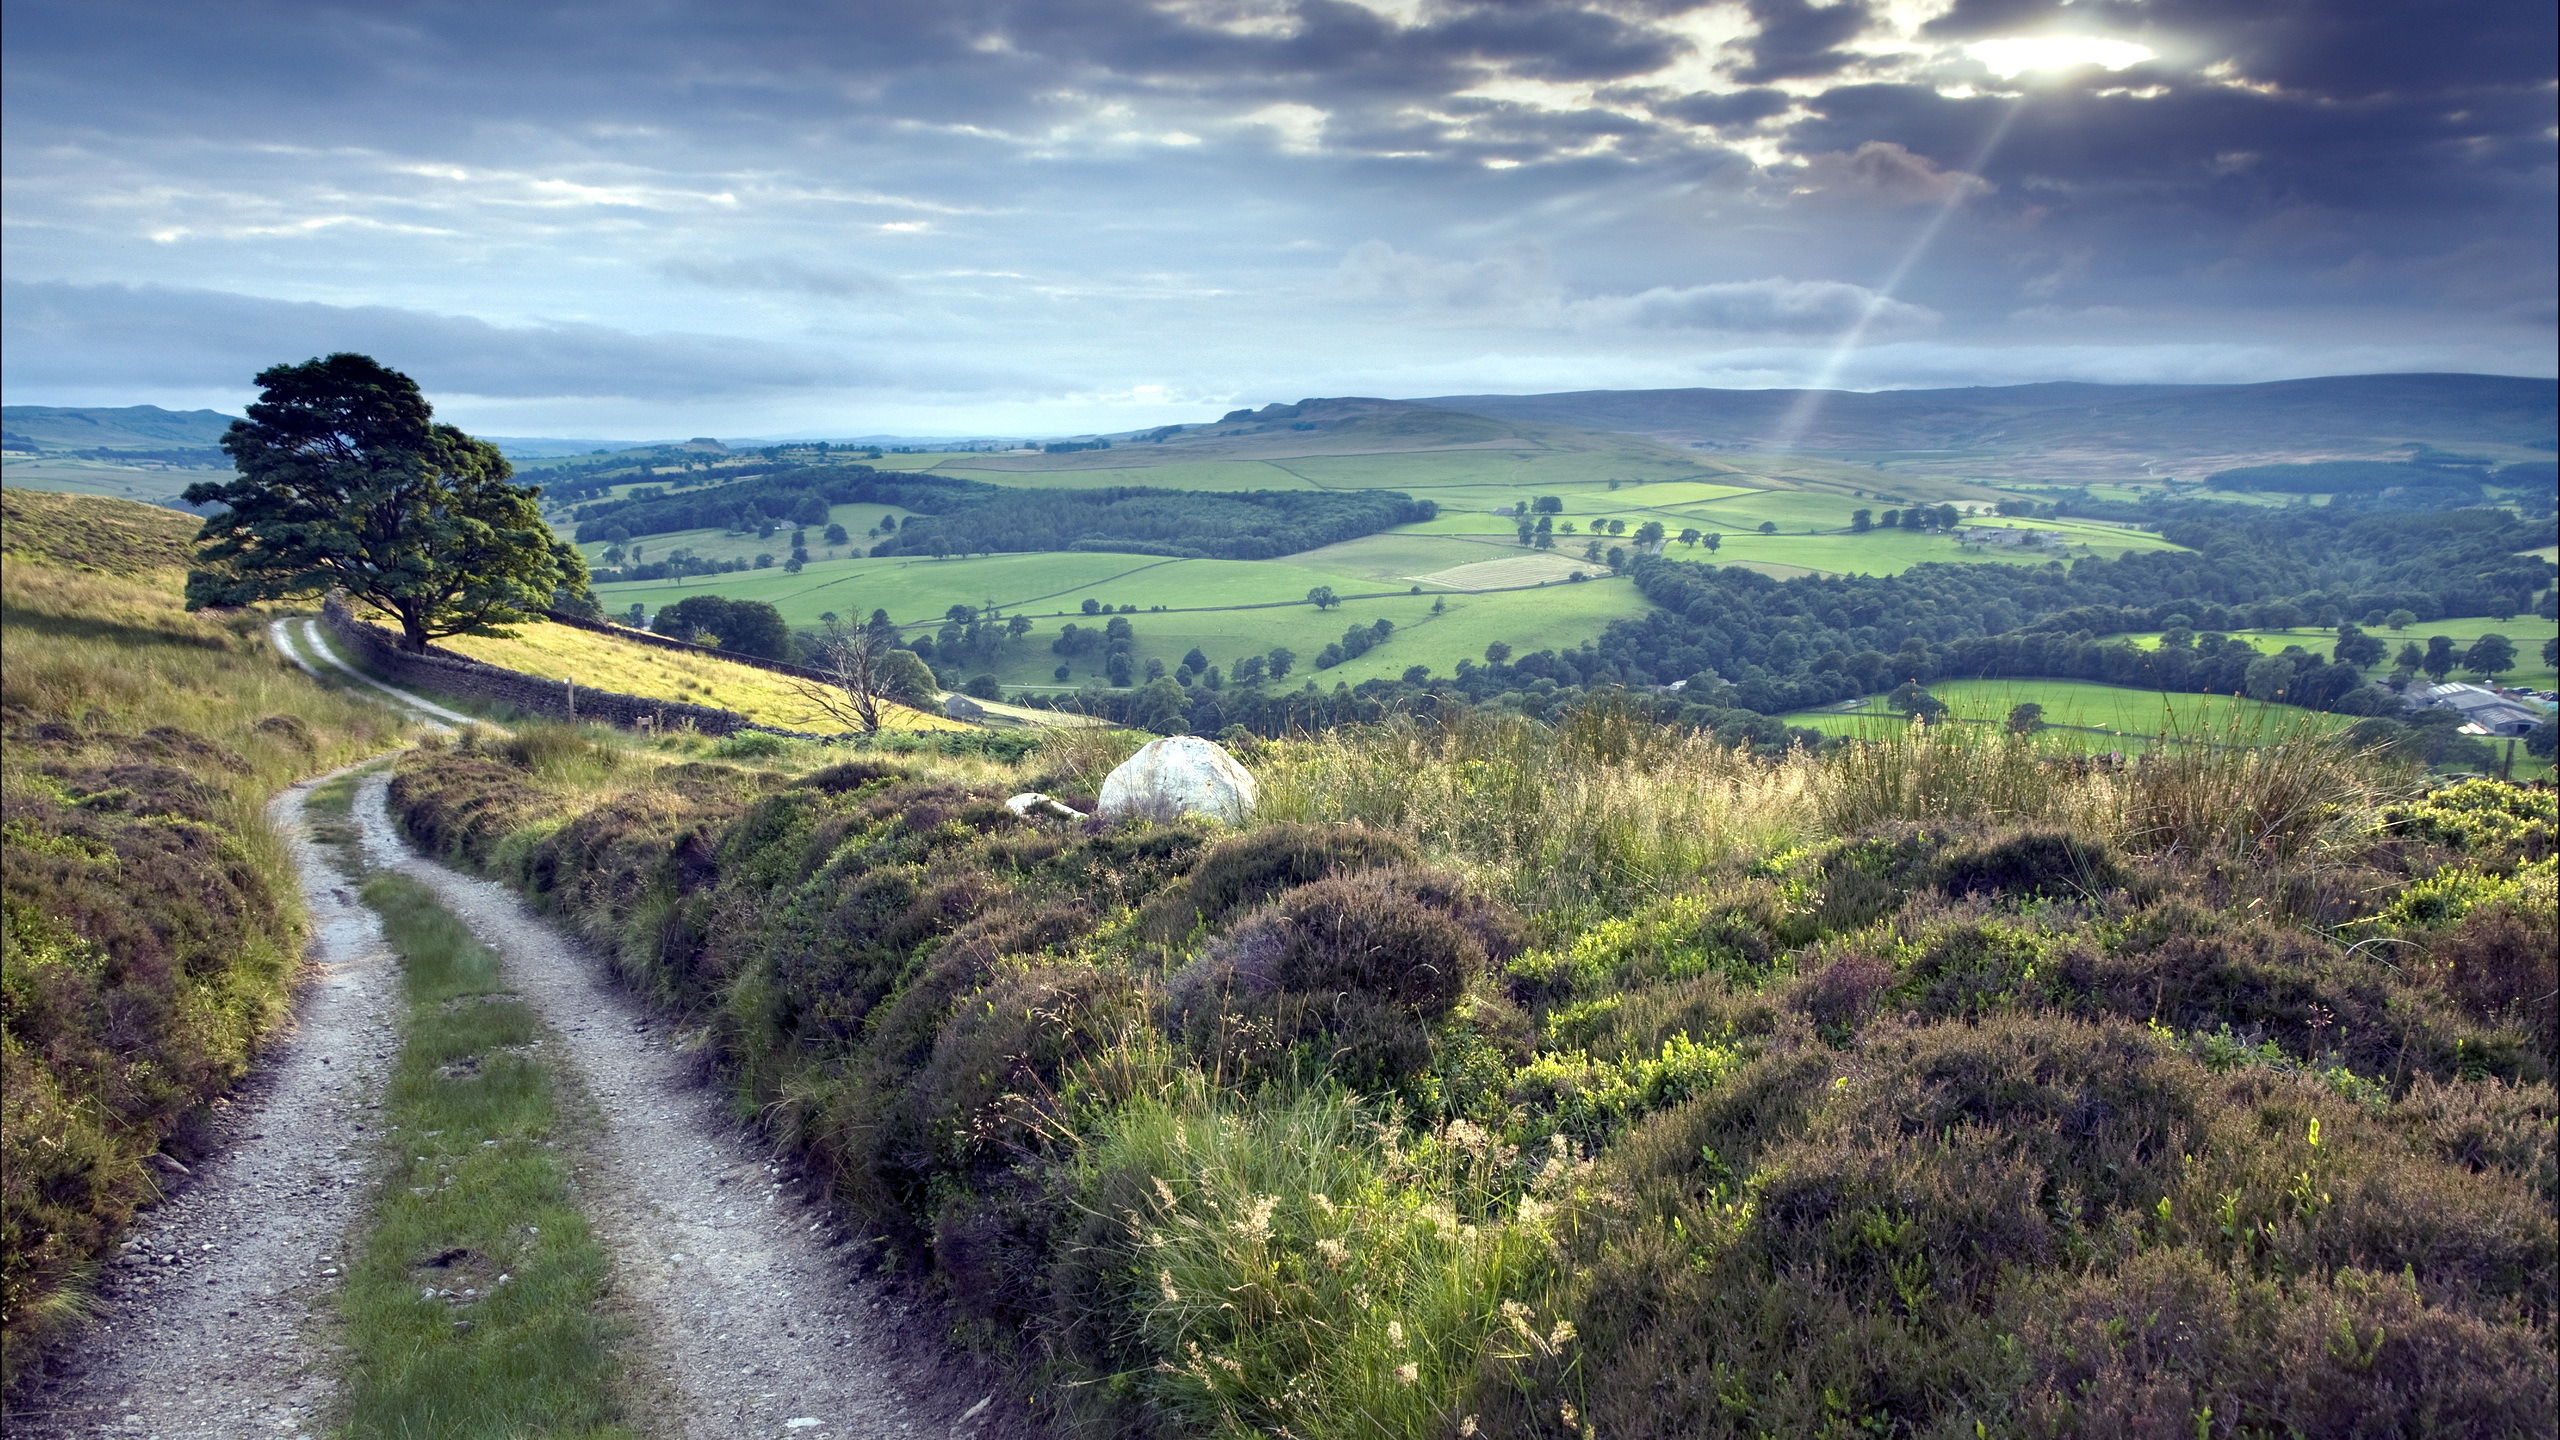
pixel 213 1321
pixel 751 1318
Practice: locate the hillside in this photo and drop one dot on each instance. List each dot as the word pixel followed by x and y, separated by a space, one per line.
pixel 130 427
pixel 1508 1079
pixel 2067 428
pixel 152 934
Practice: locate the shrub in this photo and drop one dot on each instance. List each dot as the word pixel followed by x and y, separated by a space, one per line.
pixel 2168 1345
pixel 2500 962
pixel 1239 873
pixel 1951 1152
pixel 847 775
pixel 2034 864
pixel 2193 969
pixel 1365 963
pixel 1736 933
pixel 2498 825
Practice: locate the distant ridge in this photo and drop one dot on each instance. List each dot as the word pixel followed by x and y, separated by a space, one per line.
pixel 148 427
pixel 130 427
pixel 2080 426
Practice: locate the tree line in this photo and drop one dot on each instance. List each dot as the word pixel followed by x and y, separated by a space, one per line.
pixel 1189 524
pixel 798 495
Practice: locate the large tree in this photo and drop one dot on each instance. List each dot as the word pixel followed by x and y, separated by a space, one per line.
pixel 346 482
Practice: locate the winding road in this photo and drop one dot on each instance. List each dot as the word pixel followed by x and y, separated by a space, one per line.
pixel 748 1313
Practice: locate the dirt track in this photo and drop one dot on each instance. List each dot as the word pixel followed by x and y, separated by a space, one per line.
pixel 750 1319
pixel 748 1316
pixel 213 1319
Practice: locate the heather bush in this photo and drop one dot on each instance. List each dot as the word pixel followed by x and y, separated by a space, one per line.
pixel 1246 870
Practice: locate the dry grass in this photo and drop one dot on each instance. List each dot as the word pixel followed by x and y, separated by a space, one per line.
pixel 1607 810
pixel 561 652
pixel 93 533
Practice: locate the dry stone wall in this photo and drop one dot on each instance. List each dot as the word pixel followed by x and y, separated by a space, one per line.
pixel 452 674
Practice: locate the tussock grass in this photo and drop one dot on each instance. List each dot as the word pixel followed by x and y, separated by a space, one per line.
pixel 474 1306
pixel 1308 1267
pixel 1607 810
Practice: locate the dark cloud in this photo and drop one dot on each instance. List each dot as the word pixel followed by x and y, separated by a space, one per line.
pixel 1797 39
pixel 1738 107
pixel 151 336
pixel 1131 193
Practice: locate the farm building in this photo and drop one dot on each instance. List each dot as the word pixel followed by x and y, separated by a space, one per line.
pixel 2479 705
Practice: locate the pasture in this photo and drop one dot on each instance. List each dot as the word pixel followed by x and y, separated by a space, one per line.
pixel 714 544
pixel 2116 713
pixel 1203 602
pixel 917 590
pixel 2527 631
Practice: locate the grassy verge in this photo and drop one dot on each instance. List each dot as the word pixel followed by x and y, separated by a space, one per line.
pixel 473 1309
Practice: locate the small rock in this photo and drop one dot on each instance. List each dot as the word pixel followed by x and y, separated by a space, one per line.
pixel 1031 800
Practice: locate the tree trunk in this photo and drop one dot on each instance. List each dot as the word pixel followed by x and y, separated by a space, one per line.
pixel 413 631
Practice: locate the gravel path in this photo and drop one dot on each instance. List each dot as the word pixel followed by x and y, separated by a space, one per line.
pixel 212 1319
pixel 751 1319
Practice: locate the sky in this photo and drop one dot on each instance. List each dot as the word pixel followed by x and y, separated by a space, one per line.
pixel 656 218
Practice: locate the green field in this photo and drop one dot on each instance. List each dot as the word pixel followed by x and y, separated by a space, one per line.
pixel 1051 588
pixel 714 544
pixel 1224 475
pixel 2115 712
pixel 149 484
pixel 2527 631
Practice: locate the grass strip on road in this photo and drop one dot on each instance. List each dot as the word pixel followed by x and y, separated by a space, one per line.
pixel 475 1306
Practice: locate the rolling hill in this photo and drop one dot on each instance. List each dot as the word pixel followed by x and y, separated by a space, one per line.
pixel 2075 429
pixel 130 427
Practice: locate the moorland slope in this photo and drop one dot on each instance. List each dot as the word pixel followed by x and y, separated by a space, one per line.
pixel 1514 1079
pixel 152 930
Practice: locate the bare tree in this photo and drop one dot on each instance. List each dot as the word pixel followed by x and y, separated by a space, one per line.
pixel 852 660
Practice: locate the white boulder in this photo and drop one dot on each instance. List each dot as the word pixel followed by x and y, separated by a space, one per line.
pixel 1181 775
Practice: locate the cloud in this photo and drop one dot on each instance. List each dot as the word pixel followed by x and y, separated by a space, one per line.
pixel 780 276
pixel 1797 39
pixel 146 335
pixel 1761 307
pixel 1573 179
pixel 1377 272
pixel 1517 287
pixel 1884 168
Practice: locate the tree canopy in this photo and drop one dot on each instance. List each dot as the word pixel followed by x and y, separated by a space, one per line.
pixel 346 482
pixel 747 627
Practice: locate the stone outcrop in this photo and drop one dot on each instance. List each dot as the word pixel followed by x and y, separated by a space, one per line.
pixel 1181 775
